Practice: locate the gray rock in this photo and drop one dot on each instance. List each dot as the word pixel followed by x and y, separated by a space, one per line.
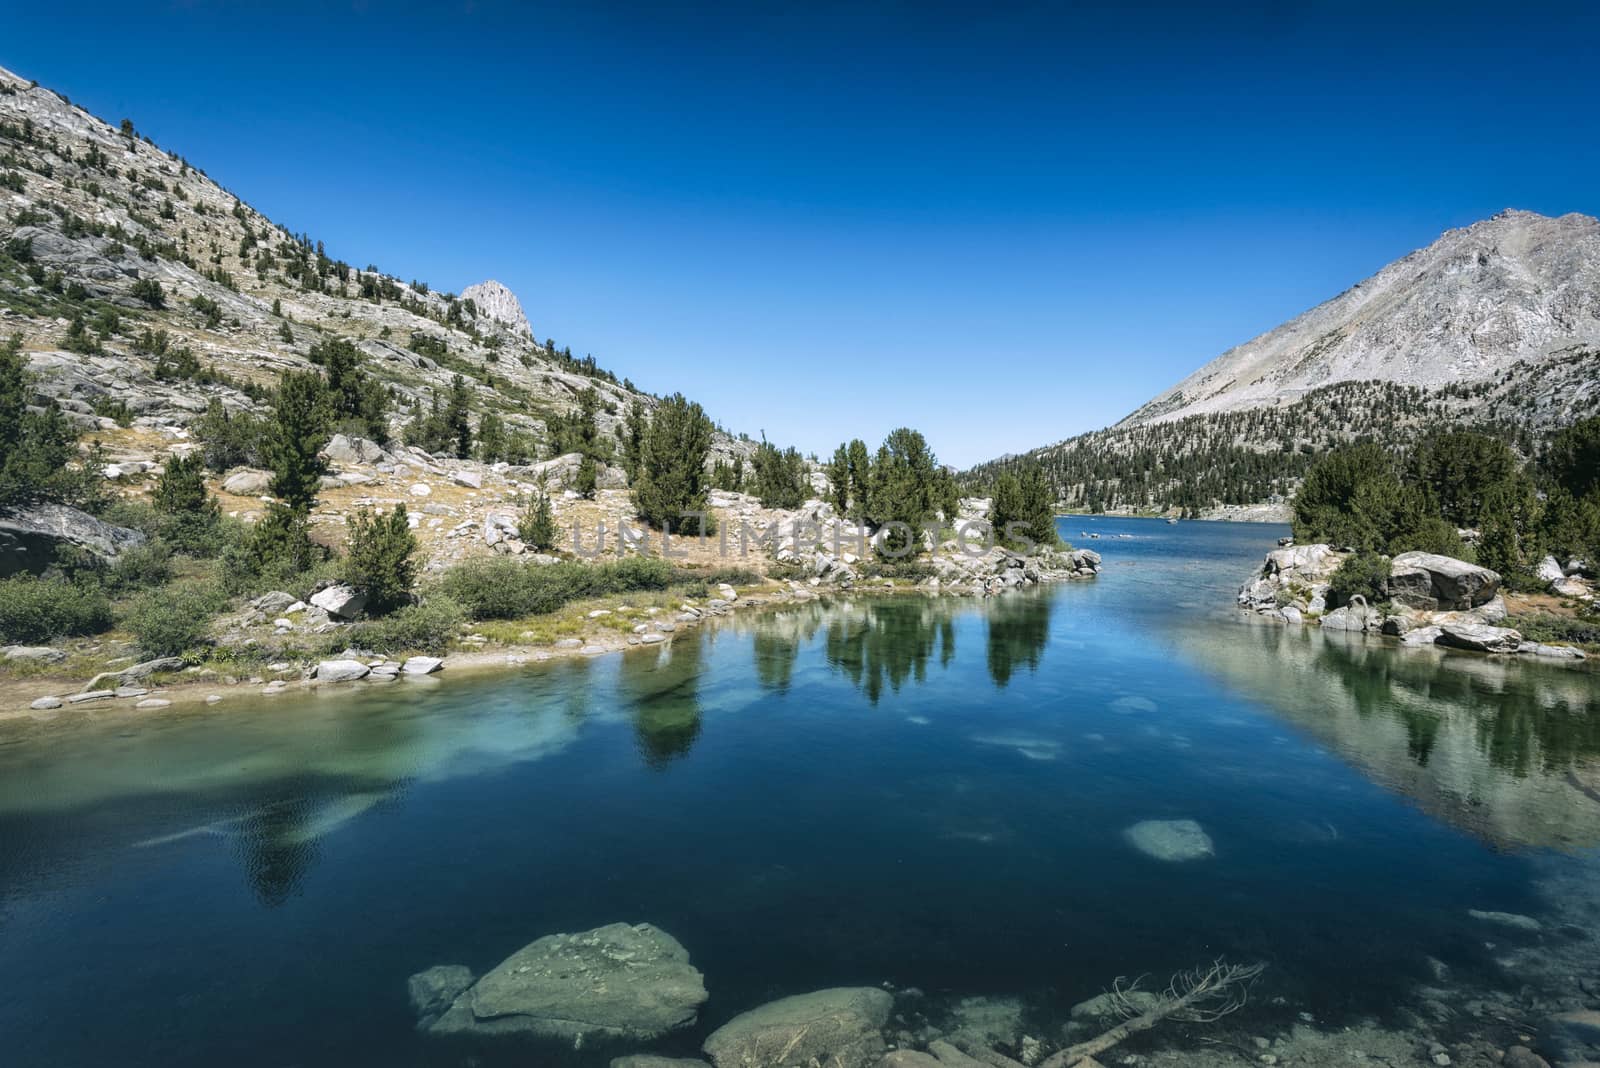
pixel 38 654
pixel 1432 581
pixel 840 1027
pixel 247 483
pixel 469 479
pixel 1480 637
pixel 151 703
pixel 91 695
pixel 274 603
pixel 46 702
pixel 1571 1038
pixel 433 991
pixel 31 536
pixel 617 981
pixel 421 665
pixel 1103 1009
pixel 1173 841
pixel 1513 920
pixel 1549 570
pixel 340 602
pixel 351 450
pixel 341 671
pixel 1421 636
pixel 906 1058
pixel 1554 652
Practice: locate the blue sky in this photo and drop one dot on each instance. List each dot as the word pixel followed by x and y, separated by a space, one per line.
pixel 1001 225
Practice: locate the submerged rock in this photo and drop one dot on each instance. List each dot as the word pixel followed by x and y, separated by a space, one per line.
pixel 650 1060
pixel 617 981
pixel 1506 919
pixel 840 1027
pixel 1173 841
pixel 433 991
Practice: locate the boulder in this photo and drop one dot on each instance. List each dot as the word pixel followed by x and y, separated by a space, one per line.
pixel 1480 637
pixel 274 603
pixel 42 703
pixel 1356 616
pixel 840 1027
pixel 1549 570
pixel 342 449
pixel 31 535
pixel 1432 581
pixel 1173 841
pixel 1554 652
pixel 37 654
pixel 1421 636
pixel 421 665
pixel 469 479
pixel 340 602
pixel 247 483
pixel 618 981
pixel 341 671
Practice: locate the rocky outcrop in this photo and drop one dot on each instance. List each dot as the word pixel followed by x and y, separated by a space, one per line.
pixel 1434 600
pixel 496 302
pixel 32 535
pixel 841 1027
pixel 247 482
pixel 1433 582
pixel 618 981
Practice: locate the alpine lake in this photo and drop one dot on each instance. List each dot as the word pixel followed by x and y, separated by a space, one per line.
pixel 985 806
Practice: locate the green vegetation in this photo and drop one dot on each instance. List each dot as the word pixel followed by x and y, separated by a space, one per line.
pixel 507 588
pixel 536 526
pixel 43 609
pixel 1023 513
pixel 670 491
pixel 35 446
pixel 779 476
pixel 1364 574
pixel 190 515
pixel 1366 498
pixel 294 439
pixel 380 560
pixel 172 620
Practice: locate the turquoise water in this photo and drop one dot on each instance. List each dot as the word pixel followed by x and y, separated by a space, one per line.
pixel 923 792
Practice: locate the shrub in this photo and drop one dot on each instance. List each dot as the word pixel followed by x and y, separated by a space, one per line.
pixel 37 610
pixel 1363 573
pixel 140 568
pixel 381 561
pixel 174 619
pixel 229 440
pixel 276 552
pixel 507 588
pixel 428 627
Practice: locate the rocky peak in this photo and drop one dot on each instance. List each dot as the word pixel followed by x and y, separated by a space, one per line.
pixel 1515 288
pixel 500 304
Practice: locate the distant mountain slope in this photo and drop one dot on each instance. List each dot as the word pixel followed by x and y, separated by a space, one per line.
pixel 1510 289
pixel 1494 326
pixel 92 215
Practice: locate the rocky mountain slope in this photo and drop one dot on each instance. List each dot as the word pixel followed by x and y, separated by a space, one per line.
pixel 1495 326
pixel 1513 289
pixel 92 214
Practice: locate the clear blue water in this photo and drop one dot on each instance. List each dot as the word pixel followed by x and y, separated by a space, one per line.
pixel 924 792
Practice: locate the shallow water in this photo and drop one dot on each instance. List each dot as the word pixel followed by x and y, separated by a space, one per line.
pixel 924 792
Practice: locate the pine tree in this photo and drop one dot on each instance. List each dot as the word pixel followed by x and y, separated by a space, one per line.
pixel 672 470
pixel 838 472
pixel 456 419
pixel 382 558
pixel 634 430
pixel 537 524
pixel 191 514
pixel 294 439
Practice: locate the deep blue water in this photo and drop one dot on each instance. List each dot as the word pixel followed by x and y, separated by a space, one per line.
pixel 925 792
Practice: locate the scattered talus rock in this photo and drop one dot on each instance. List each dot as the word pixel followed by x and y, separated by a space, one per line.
pixel 32 535
pixel 1174 841
pixel 840 1027
pixel 1435 582
pixel 618 981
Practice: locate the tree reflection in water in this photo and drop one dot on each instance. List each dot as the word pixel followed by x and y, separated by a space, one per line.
pixel 663 686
